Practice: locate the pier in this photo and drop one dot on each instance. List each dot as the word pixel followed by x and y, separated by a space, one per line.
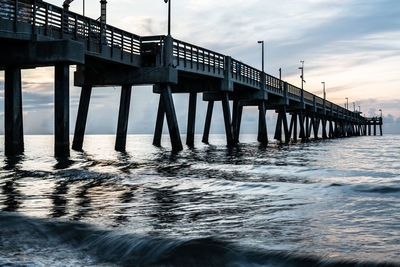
pixel 34 34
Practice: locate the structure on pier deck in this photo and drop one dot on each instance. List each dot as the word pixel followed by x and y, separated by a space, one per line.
pixel 35 33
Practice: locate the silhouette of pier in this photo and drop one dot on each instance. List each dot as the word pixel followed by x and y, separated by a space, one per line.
pixel 34 33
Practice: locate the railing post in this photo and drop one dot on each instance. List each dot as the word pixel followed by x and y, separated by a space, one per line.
pixel 46 24
pixel 314 103
pixel 76 27
pixel 89 38
pixel 169 51
pixel 15 15
pixel 33 18
pixel 285 93
pixel 227 83
pixel 131 48
pixel 62 23
pixel 122 46
pixel 112 42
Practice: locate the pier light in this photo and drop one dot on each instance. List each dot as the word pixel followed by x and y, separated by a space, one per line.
pixel 323 83
pixel 347 103
pixel 359 109
pixel 262 54
pixel 302 74
pixel 354 106
pixel 169 15
pixel 381 112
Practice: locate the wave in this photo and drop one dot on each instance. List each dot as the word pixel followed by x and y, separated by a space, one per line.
pixel 132 250
pixel 377 189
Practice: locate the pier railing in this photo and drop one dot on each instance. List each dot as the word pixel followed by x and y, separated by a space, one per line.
pixel 55 22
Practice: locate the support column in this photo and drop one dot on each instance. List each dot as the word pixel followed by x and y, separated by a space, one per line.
pixel 123 117
pixel 308 130
pixel 380 128
pixel 81 119
pixel 331 132
pixel 191 119
pixel 294 118
pixel 207 124
pixel 262 124
pixel 302 130
pixel 374 128
pixel 285 125
pixel 173 127
pixel 324 135
pixel 227 119
pixel 236 120
pixel 159 124
pixel 369 129
pixel 61 110
pixel 13 125
pixel 278 128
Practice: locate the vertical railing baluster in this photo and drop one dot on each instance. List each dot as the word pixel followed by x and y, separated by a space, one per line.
pixel 122 45
pixel 191 56
pixel 178 51
pixel 112 42
pixel 131 48
pixel 62 23
pixel 209 59
pixel 46 20
pixel 15 15
pixel 214 62
pixel 76 27
pixel 184 55
pixel 34 18
pixel 89 38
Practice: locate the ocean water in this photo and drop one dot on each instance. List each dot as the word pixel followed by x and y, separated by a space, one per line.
pixel 320 203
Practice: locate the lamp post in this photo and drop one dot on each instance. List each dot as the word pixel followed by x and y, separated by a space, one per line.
pixel 359 109
pixel 347 101
pixel 323 83
pixel 381 112
pixel 169 16
pixel 354 106
pixel 262 45
pixel 302 74
pixel 302 81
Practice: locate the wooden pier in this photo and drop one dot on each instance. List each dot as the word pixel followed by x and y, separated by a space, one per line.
pixel 35 33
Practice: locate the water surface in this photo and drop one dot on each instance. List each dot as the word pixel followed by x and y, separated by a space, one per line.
pixel 323 202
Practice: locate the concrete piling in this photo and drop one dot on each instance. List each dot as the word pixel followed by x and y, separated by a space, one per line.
pixel 13 121
pixel 191 119
pixel 61 110
pixel 123 118
pixel 207 124
pixel 81 119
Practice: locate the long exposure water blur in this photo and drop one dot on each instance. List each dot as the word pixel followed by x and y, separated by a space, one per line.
pixel 321 202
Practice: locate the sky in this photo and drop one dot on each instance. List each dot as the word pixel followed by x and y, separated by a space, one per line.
pixel 351 45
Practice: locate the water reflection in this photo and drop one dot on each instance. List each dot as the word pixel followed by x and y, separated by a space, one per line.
pixel 59 199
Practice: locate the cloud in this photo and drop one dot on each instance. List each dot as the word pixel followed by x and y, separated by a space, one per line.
pixel 352 45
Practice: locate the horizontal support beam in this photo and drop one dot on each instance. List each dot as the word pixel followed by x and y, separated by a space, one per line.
pixel 110 76
pixel 35 54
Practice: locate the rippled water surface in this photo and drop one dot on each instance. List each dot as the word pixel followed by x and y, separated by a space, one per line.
pixel 319 202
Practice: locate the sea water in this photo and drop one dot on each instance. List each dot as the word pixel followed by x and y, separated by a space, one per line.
pixel 330 202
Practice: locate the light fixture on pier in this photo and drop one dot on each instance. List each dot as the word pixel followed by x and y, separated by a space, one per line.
pixel 323 83
pixel 169 15
pixel 302 74
pixel 347 101
pixel 381 112
pixel 262 60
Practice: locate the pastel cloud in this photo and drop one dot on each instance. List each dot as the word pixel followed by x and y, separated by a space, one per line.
pixel 352 45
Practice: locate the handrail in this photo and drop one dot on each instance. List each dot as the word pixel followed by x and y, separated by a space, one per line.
pixel 198 57
pixel 55 21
